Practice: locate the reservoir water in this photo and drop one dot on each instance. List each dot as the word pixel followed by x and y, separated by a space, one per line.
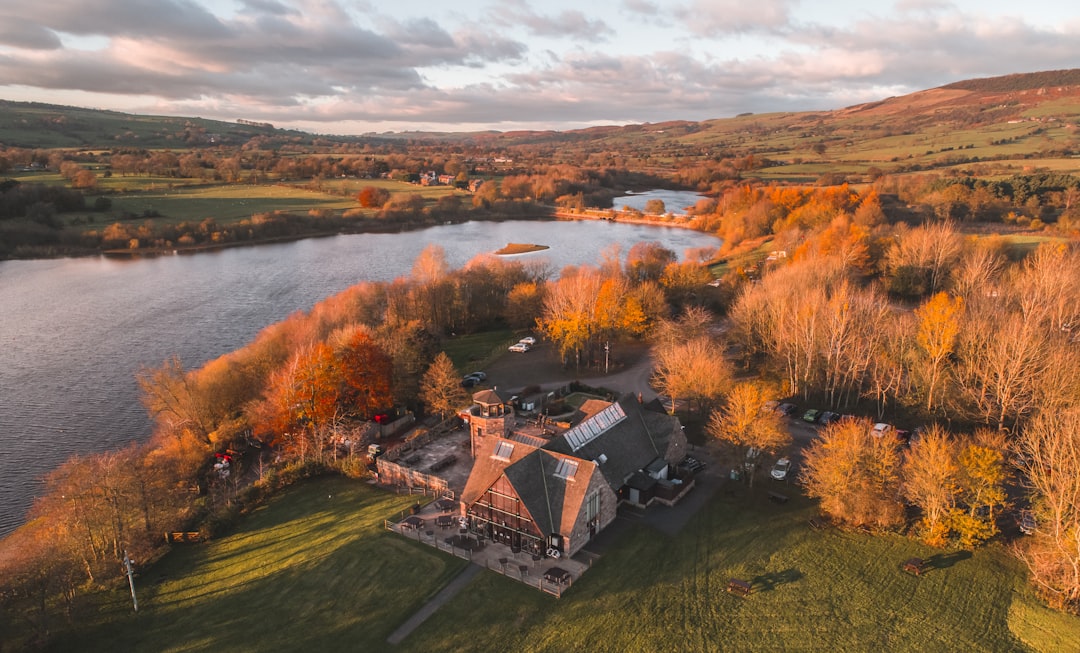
pixel 73 332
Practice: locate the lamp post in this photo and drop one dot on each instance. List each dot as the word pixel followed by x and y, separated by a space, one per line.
pixel 131 580
pixel 607 351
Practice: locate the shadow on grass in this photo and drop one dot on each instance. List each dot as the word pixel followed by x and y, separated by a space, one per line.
pixel 945 560
pixel 772 580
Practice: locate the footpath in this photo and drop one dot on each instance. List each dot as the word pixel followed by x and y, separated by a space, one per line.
pixel 442 598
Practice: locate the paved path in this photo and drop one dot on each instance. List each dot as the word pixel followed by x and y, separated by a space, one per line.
pixel 445 594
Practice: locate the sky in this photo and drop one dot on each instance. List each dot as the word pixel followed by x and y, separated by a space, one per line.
pixel 362 66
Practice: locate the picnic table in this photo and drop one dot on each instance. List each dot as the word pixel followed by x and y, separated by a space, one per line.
pixel 413 522
pixel 738 587
pixel 445 504
pixel 915 566
pixel 557 575
pixel 444 521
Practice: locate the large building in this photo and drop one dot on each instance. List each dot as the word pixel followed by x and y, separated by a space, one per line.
pixel 551 492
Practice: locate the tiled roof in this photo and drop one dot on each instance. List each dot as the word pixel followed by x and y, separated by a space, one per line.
pixel 626 446
pixel 552 501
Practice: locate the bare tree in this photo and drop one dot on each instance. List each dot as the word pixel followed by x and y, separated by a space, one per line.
pixel 695 370
pixel 1050 445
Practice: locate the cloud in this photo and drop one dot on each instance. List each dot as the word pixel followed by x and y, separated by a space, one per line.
pixel 718 17
pixel 21 34
pixel 567 24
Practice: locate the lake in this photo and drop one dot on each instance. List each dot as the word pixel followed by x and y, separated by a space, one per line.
pixel 73 332
pixel 675 201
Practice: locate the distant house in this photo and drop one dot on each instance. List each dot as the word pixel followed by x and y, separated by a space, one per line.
pixel 552 496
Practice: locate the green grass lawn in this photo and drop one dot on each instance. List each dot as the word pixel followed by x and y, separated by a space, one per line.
pixel 227 203
pixel 314 571
pixel 473 351
pixel 828 591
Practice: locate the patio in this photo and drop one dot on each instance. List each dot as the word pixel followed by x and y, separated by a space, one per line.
pixel 439 524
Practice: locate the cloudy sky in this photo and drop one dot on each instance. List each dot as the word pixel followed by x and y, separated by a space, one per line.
pixel 355 66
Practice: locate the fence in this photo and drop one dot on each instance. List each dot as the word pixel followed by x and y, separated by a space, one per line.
pixel 511 569
pixel 394 474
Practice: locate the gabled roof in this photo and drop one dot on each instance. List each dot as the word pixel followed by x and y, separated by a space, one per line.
pixel 623 447
pixel 487 468
pixel 553 502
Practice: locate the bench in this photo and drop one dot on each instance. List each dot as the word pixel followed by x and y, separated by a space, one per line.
pixel 776 497
pixel 915 566
pixel 817 523
pixel 738 587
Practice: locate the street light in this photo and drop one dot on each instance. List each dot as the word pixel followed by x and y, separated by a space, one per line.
pixel 131 579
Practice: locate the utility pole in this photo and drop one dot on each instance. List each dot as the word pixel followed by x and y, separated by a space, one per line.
pixel 607 351
pixel 131 580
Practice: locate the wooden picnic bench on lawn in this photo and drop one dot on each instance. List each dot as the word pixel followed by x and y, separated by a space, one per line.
pixel 915 566
pixel 818 523
pixel 776 497
pixel 738 587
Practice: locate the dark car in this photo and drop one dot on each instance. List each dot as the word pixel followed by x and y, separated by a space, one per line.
pixel 828 417
pixel 787 409
pixel 1026 522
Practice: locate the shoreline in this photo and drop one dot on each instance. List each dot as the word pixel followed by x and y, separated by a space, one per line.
pixel 152 252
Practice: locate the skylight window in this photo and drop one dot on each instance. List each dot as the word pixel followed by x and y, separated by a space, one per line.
pixel 590 429
pixel 503 451
pixel 566 469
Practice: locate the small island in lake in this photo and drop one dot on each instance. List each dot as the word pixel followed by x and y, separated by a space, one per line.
pixel 520 248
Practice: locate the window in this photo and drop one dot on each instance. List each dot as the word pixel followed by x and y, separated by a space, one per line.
pixel 503 451
pixel 592 506
pixel 566 469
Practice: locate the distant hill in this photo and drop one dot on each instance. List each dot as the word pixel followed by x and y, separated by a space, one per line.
pixel 1019 82
pixel 1033 117
pixel 34 125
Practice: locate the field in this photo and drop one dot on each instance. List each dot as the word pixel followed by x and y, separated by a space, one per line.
pixel 315 571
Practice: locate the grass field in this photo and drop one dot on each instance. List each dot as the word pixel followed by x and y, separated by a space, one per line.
pixel 227 203
pixel 473 351
pixel 314 571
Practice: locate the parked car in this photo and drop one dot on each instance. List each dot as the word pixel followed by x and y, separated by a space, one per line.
pixel 880 429
pixel 787 409
pixel 828 417
pixel 520 347
pixel 811 415
pixel 528 340
pixel 693 464
pixel 1026 522
pixel 470 380
pixel 780 469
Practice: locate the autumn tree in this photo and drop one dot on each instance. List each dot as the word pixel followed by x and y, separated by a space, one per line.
pixel 695 371
pixel 930 482
pixel 981 485
pixel 373 197
pixel 367 372
pixel 1050 445
pixel 440 388
pixel 170 395
pixel 744 422
pixel 920 260
pixel 855 474
pixel 939 325
pixel 647 260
